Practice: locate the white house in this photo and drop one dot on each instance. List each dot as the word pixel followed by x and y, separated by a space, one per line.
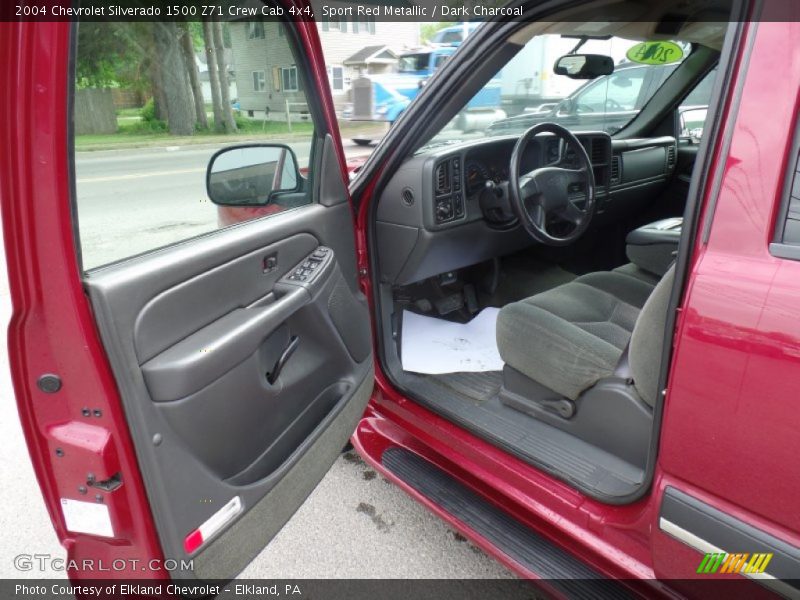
pixel 266 75
pixel 362 46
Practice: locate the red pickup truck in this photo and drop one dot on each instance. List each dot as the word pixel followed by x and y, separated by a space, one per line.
pixel 581 350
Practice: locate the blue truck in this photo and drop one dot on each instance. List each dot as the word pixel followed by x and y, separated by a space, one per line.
pixel 383 97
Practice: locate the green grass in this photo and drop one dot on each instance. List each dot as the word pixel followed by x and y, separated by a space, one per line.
pixel 134 134
pixel 129 112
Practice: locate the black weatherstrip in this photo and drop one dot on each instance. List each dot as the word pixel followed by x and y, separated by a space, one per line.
pixel 704 523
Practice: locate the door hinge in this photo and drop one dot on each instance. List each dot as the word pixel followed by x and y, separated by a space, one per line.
pixel 106 485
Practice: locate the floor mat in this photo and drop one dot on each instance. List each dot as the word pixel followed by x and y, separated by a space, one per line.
pixel 435 346
pixel 520 280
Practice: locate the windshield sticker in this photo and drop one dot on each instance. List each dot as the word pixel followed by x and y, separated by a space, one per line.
pixel 655 53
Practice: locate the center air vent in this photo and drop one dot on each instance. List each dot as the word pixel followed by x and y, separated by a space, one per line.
pixel 598 152
pixel 616 163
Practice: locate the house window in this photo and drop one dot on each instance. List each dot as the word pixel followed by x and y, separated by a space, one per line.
pixel 255 30
pixel 334 24
pixel 336 77
pixel 289 79
pixel 259 81
pixel 365 24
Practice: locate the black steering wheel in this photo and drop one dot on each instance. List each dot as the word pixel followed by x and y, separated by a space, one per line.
pixel 543 196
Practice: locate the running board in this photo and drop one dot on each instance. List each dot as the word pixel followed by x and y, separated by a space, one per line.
pixel 564 573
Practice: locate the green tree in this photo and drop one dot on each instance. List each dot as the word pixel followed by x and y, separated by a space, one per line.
pixel 177 89
pixel 428 30
pixel 111 55
pixel 213 74
pixel 188 42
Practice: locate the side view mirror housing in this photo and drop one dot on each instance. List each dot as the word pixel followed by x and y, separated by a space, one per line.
pixel 583 66
pixel 251 174
pixel 691 121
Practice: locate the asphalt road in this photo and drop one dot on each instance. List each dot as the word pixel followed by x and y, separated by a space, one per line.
pixel 354 525
pixel 132 201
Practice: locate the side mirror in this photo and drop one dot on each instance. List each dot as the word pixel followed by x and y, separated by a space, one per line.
pixel 584 66
pixel 251 174
pixel 691 123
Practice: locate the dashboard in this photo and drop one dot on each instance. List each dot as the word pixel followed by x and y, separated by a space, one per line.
pixel 432 216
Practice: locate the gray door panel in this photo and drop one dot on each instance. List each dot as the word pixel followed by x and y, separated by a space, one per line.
pixel 193 333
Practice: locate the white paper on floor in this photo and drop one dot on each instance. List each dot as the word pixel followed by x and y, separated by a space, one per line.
pixel 435 346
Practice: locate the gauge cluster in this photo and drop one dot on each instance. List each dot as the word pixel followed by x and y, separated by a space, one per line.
pixel 478 172
pixel 492 163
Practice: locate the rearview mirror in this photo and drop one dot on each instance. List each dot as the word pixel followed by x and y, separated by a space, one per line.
pixel 251 174
pixel 584 66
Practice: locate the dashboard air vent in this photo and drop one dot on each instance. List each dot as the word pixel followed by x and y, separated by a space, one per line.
pixel 670 157
pixel 598 154
pixel 408 196
pixel 442 178
pixel 616 165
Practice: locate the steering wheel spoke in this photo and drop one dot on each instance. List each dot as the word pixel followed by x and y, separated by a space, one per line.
pixel 574 175
pixel 571 213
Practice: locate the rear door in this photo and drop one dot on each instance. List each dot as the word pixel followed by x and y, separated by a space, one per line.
pixel 728 487
pixel 185 373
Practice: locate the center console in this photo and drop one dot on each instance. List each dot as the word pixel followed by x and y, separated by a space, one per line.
pixel 654 246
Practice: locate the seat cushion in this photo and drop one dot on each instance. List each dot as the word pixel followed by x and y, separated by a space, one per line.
pixel 573 335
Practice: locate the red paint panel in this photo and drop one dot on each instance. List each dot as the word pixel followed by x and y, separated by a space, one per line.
pixel 729 433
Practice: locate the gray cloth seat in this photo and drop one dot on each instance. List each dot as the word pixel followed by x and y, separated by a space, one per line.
pixel 569 337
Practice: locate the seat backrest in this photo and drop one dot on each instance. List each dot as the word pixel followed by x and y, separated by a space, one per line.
pixel 647 339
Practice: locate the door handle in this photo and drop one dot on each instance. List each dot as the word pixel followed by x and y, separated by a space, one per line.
pixel 274 373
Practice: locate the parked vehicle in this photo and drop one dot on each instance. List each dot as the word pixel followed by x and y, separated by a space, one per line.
pixel 632 432
pixel 603 104
pixel 384 97
pixel 454 35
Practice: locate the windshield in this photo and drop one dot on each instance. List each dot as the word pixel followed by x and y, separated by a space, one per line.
pixel 414 62
pixel 527 91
